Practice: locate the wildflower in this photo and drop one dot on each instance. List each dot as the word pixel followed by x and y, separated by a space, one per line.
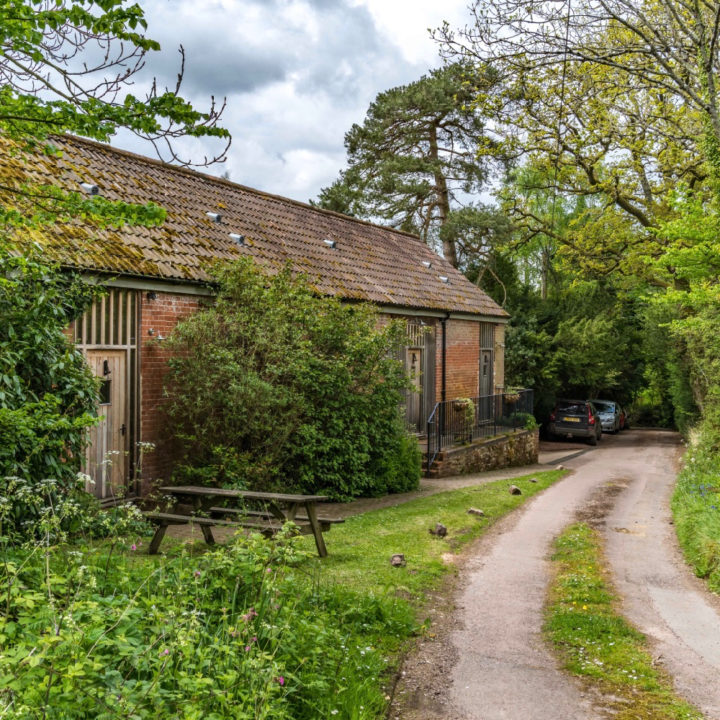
pixel 247 648
pixel 280 680
pixel 165 652
pixel 268 570
pixel 249 615
pixel 133 547
pixel 197 573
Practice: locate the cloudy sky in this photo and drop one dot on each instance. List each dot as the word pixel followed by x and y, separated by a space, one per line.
pixel 296 75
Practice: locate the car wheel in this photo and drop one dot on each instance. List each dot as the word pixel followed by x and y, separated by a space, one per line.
pixel 592 440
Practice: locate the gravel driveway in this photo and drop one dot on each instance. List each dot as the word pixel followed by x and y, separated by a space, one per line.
pixel 490 662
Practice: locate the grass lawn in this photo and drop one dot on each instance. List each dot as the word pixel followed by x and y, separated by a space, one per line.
pixel 596 643
pixel 360 549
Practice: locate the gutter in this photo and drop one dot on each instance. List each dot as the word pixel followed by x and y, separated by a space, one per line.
pixel 443 387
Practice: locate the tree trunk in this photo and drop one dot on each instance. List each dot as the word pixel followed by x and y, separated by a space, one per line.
pixel 443 198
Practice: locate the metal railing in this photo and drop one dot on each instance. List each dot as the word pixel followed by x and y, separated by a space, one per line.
pixel 458 422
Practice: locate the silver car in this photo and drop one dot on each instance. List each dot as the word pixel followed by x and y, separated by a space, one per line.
pixel 610 413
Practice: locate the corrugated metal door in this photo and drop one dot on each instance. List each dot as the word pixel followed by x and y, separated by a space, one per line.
pixel 107 455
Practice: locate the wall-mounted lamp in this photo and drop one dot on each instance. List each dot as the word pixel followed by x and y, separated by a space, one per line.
pixel 90 189
pixel 237 238
pixel 215 217
pixel 106 367
pixel 151 295
pixel 156 335
pixel 330 243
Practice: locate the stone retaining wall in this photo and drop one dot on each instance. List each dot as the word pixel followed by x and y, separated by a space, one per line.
pixel 511 450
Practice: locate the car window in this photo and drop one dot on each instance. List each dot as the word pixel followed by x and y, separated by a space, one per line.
pixel 604 406
pixel 567 407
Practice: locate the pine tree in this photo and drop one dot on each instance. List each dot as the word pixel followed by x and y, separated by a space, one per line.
pixel 415 158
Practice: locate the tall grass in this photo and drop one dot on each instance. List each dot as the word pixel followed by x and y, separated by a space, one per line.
pixel 696 511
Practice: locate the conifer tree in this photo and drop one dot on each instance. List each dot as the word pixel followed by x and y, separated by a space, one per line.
pixel 415 158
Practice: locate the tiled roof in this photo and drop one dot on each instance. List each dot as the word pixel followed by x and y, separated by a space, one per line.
pixel 368 262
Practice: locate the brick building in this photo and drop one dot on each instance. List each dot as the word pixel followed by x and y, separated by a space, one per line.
pixel 155 276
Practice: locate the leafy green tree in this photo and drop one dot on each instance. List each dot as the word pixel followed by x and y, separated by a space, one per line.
pixel 69 67
pixel 47 395
pixel 602 114
pixel 279 388
pixel 414 160
pixel 66 66
pixel 585 339
pixel 617 102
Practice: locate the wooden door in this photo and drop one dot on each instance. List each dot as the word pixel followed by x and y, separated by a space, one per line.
pixel 486 373
pixel 414 397
pixel 107 456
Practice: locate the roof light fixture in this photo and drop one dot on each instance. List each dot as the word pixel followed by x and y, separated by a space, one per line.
pixel 445 279
pixel 427 263
pixel 215 217
pixel 237 238
pixel 90 189
pixel 330 243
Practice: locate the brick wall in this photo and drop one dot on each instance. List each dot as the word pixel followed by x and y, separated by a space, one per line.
pixel 462 373
pixel 161 315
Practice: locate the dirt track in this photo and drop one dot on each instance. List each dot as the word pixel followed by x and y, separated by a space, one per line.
pixel 490 662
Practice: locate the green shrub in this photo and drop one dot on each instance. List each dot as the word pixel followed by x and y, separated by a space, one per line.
pixel 275 387
pixel 696 508
pixel 47 393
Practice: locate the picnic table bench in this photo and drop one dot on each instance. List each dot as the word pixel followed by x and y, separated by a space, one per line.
pixel 277 509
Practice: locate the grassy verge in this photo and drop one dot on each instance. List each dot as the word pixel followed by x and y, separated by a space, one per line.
pixel 361 548
pixel 596 643
pixel 380 607
pixel 696 510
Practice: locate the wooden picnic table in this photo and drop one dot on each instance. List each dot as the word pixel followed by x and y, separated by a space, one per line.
pixel 278 508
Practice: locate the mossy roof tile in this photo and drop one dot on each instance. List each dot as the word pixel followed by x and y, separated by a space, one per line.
pixel 369 262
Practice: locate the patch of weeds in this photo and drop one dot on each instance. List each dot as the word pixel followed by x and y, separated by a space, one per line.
pixel 598 644
pixel 696 510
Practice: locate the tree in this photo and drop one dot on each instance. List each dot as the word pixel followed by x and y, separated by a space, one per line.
pixel 66 66
pixel 583 104
pixel 669 46
pixel 275 387
pixel 47 394
pixel 414 160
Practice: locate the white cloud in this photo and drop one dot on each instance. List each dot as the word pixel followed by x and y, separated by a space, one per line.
pixel 296 73
pixel 407 24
